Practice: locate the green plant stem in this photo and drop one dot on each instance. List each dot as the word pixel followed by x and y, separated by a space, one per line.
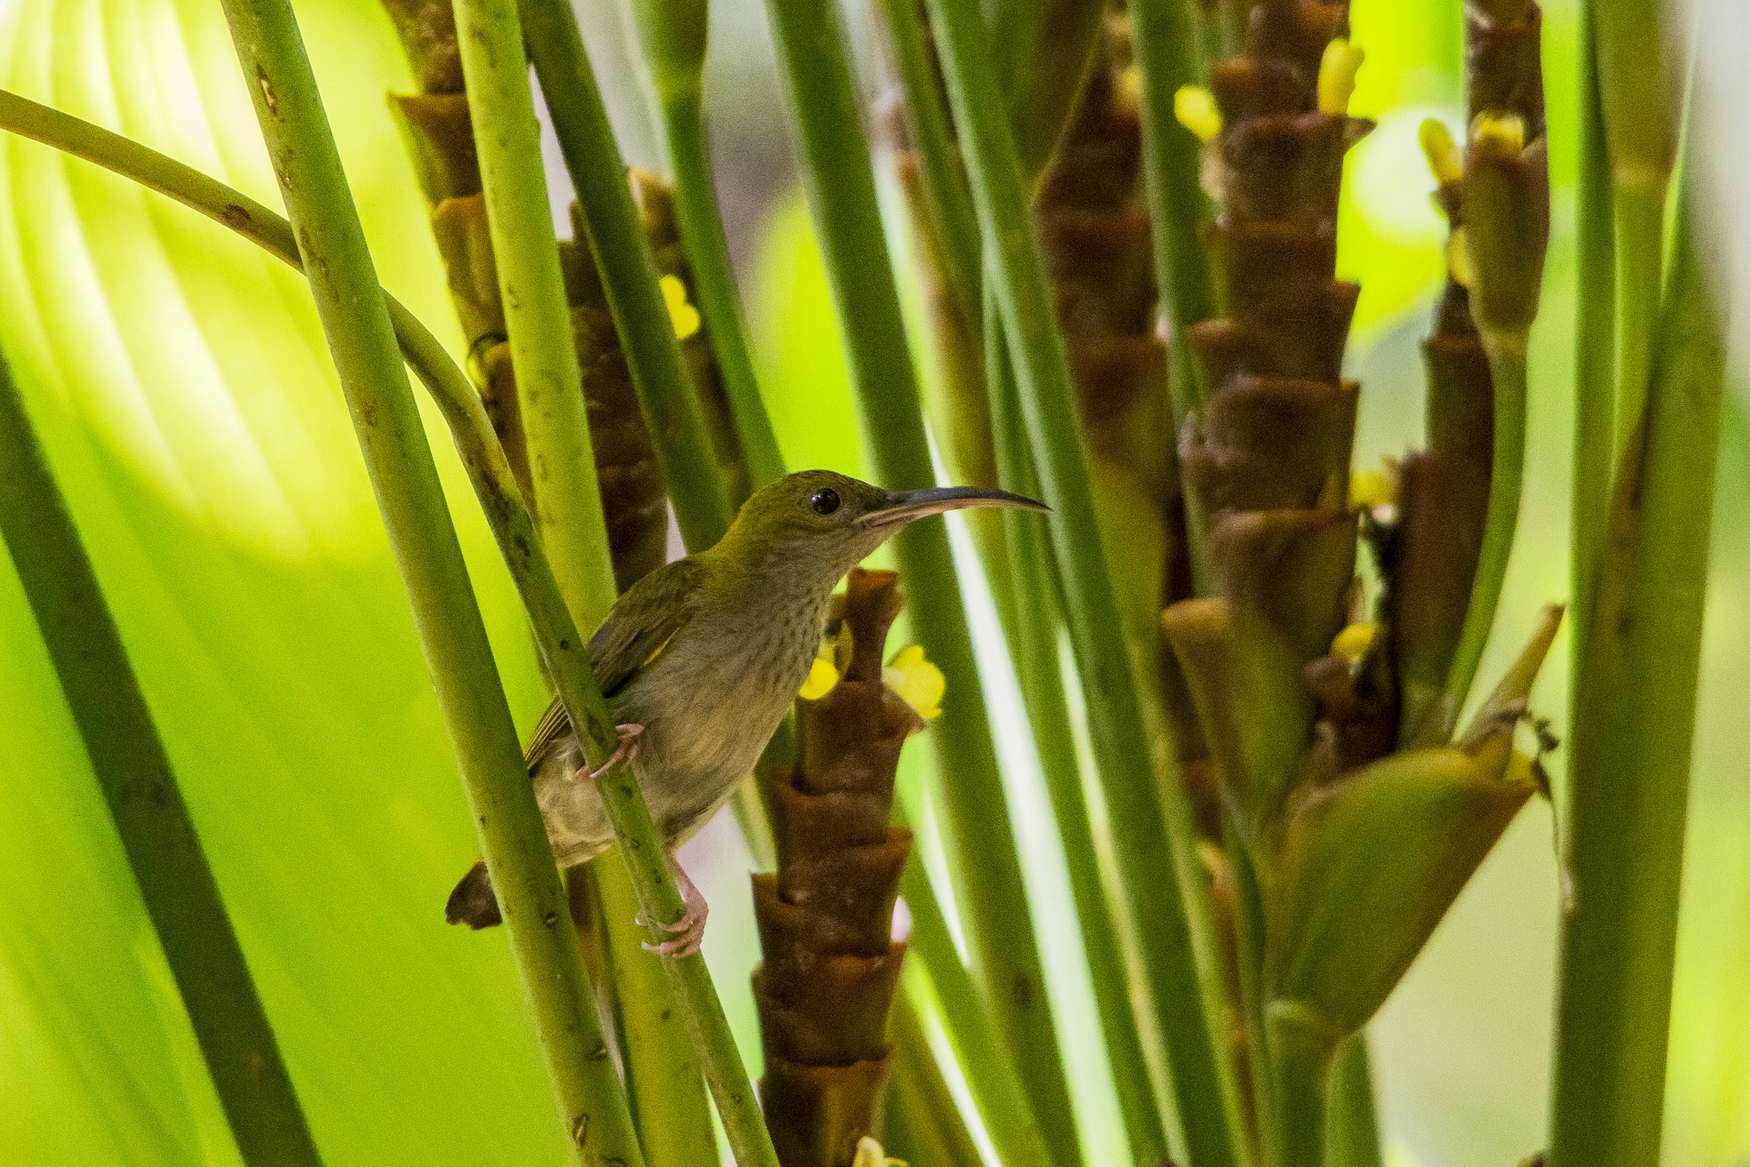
pixel 1166 57
pixel 1032 632
pixel 1506 354
pixel 563 492
pixel 840 181
pixel 139 786
pixel 932 137
pixel 513 838
pixel 670 1109
pixel 1594 349
pixel 1010 1116
pixel 1352 1138
pixel 922 1107
pixel 1146 853
pixel 1302 1066
pixel 671 408
pixel 1632 737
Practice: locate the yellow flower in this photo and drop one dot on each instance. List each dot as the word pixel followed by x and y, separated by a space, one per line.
pixel 1196 110
pixel 1501 135
pixel 870 1154
pixel 830 661
pixel 683 315
pixel 1353 642
pixel 1442 154
pixel 1337 69
pixel 918 682
pixel 1369 489
pixel 1458 260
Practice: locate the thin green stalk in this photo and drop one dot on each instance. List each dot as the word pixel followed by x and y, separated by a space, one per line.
pixel 1594 336
pixel 139 787
pixel 673 33
pixel 932 136
pixel 622 253
pixel 1147 855
pixel 563 492
pixel 1166 57
pixel 512 836
pixel 1302 1063
pixel 1352 1137
pixel 1632 737
pixel 663 1070
pixel 827 119
pixel 1033 633
pixel 923 1119
pixel 1506 353
pixel 1009 1112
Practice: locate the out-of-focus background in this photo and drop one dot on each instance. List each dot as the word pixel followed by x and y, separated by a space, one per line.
pixel 184 392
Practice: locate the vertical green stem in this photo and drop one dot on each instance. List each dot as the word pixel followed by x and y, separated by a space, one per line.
pixel 1632 736
pixel 1148 855
pixel 1506 353
pixel 1033 633
pixel 1594 336
pixel 1166 55
pixel 828 122
pixel 923 1118
pixel 351 306
pixel 1302 1066
pixel 669 1102
pixel 622 252
pixel 132 770
pixel 1352 1139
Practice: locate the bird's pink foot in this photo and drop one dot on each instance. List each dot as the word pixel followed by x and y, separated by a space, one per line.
pixel 689 930
pixel 623 753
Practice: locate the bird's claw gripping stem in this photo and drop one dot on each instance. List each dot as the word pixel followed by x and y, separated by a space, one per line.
pixel 689 930
pixel 624 752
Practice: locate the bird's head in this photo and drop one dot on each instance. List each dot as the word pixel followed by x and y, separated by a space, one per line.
pixel 822 524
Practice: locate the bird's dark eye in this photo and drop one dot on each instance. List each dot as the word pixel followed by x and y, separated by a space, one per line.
pixel 824 502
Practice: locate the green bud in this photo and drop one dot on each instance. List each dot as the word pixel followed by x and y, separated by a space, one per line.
pixel 1366 866
pixel 1506 215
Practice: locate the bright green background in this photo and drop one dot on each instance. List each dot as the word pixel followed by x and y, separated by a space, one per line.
pixel 183 390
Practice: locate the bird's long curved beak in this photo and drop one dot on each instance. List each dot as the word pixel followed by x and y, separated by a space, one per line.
pixel 902 506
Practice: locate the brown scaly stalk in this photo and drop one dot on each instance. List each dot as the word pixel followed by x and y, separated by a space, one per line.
pixel 1351 851
pixel 440 141
pixel 825 918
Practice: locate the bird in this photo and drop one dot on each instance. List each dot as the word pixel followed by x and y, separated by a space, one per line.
pixel 699 661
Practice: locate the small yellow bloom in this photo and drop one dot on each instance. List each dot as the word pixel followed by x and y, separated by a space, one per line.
pixel 1196 110
pixel 870 1154
pixel 1353 642
pixel 1337 69
pixel 1442 154
pixel 1458 260
pixel 683 315
pixel 1502 135
pixel 1130 87
pixel 919 683
pixel 822 678
pixel 1373 488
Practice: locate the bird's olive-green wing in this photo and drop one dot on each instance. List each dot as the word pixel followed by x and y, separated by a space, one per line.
pixel 641 624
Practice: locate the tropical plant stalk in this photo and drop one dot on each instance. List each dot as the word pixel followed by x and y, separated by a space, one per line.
pixel 1034 637
pixel 1302 1064
pixel 1594 341
pixel 592 158
pixel 513 838
pixel 1202 1086
pixel 1353 1125
pixel 1632 734
pixel 139 786
pixel 840 181
pixel 565 498
pixel 1166 56
pixel 674 37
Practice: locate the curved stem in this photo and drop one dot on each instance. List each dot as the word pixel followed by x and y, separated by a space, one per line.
pixel 840 181
pixel 1148 853
pixel 350 303
pixel 139 787
pixel 1506 353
